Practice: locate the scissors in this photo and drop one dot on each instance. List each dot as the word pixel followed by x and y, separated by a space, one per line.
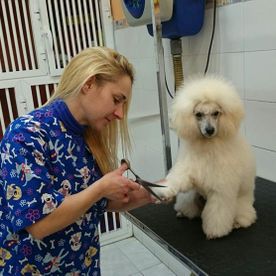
pixel 142 182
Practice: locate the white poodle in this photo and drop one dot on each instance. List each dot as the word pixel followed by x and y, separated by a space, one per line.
pixel 215 163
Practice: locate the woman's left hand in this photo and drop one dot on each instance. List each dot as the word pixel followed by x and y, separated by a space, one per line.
pixel 137 198
pixel 141 195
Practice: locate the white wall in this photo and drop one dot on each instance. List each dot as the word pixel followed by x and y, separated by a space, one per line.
pixel 244 51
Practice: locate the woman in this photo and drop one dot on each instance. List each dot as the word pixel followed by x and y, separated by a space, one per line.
pixel 59 170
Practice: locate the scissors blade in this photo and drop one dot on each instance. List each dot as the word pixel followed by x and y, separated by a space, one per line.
pixel 150 184
pixel 141 182
pixel 152 192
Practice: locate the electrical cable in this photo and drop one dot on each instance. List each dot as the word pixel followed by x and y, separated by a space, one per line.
pixel 167 87
pixel 169 92
pixel 212 36
pixel 209 49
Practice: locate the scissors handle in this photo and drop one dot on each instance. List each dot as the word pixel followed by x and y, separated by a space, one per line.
pixel 125 161
pixel 139 179
pixel 142 182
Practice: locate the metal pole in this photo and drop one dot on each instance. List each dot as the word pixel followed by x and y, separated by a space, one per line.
pixel 160 71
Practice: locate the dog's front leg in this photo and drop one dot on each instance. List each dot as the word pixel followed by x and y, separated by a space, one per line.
pixel 218 215
pixel 178 180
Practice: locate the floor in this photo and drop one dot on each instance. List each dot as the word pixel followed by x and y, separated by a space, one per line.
pixel 130 257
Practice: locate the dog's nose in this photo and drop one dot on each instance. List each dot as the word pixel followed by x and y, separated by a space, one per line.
pixel 210 130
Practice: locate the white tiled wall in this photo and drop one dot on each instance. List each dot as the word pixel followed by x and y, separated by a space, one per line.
pixel 147 157
pixel 244 51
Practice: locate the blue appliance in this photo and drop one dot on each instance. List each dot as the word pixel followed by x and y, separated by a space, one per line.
pixel 138 12
pixel 136 8
pixel 187 19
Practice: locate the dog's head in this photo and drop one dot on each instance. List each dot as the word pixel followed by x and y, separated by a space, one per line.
pixel 207 115
pixel 207 107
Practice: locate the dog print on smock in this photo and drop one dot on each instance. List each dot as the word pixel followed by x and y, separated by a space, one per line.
pixel 44 159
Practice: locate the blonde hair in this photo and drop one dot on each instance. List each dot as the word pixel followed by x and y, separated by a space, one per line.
pixel 106 65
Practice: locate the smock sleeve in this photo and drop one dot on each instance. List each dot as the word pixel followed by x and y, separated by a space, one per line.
pixel 27 181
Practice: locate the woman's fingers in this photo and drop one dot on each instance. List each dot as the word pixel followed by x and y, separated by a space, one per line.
pixel 133 185
pixel 118 185
pixel 126 198
pixel 122 168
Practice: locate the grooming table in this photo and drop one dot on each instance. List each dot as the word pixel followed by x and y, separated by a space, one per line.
pixel 246 251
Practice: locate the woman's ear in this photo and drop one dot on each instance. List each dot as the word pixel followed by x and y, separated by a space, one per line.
pixel 88 84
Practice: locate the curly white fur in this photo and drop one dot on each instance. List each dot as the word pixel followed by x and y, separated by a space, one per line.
pixel 215 162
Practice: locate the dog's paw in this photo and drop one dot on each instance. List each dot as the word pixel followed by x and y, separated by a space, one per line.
pixel 164 200
pixel 246 219
pixel 245 216
pixel 165 193
pixel 216 233
pixel 186 204
pixel 237 225
pixel 179 215
pixel 212 237
pixel 214 228
pixel 167 200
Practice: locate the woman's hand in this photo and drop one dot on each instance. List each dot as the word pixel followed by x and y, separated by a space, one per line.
pixel 115 186
pixel 141 196
pixel 137 198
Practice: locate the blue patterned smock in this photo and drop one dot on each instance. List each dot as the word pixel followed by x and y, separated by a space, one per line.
pixel 43 159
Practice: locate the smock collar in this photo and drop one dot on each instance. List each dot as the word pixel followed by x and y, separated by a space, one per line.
pixel 64 114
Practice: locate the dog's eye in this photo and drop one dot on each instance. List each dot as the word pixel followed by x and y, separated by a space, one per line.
pixel 215 114
pixel 199 115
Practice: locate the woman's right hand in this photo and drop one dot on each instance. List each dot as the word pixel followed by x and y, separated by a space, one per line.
pixel 115 186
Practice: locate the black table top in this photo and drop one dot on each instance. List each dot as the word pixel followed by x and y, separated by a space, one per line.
pixel 250 251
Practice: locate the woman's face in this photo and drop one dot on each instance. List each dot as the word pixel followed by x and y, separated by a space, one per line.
pixel 100 105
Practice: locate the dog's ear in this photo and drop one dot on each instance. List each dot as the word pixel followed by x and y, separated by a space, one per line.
pixel 178 113
pixel 232 107
pixel 230 120
pixel 182 119
pixel 237 113
pixel 227 127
